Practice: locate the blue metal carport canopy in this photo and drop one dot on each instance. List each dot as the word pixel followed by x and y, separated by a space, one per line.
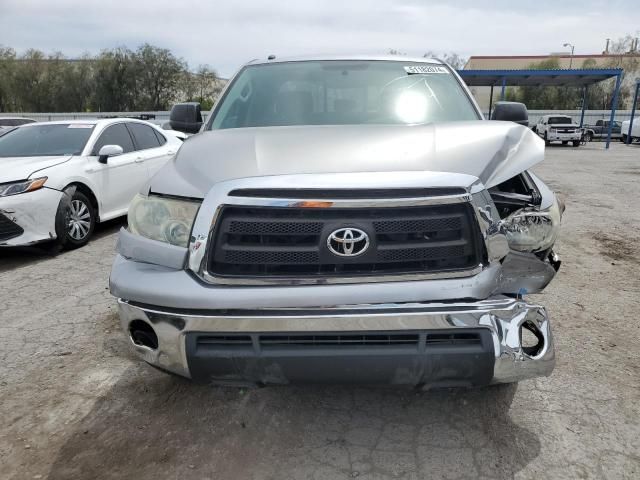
pixel 547 78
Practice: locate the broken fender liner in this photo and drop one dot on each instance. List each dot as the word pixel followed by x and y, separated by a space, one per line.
pixel 64 207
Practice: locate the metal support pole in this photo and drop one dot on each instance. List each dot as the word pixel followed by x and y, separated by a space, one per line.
pixel 633 112
pixel 614 102
pixel 490 102
pixel 504 86
pixel 584 105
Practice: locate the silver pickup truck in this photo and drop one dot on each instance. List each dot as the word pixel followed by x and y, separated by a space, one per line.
pixel 344 219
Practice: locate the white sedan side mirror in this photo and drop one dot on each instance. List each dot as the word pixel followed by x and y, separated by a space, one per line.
pixel 109 151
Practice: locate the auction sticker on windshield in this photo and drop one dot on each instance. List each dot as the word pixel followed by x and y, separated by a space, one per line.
pixel 413 69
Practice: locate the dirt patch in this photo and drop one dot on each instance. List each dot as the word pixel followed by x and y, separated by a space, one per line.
pixel 617 247
pixel 601 205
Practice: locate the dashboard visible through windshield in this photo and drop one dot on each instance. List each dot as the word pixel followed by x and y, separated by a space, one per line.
pixel 342 93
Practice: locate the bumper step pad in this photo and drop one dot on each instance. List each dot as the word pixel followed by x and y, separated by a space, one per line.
pixel 434 358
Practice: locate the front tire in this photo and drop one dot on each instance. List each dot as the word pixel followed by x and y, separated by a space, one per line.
pixel 546 140
pixel 588 137
pixel 576 143
pixel 75 221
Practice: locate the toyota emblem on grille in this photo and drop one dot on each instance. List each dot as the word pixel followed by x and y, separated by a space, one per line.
pixel 348 242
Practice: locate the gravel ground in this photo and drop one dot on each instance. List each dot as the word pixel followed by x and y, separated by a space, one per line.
pixel 74 403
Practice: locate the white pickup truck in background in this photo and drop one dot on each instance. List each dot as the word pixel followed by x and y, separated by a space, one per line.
pixel 635 132
pixel 558 128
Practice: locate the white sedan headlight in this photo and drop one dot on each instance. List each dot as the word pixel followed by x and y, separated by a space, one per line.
pixel 530 230
pixel 162 218
pixel 14 188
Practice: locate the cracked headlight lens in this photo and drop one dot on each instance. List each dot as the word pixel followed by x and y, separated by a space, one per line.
pixel 161 218
pixel 530 230
pixel 14 188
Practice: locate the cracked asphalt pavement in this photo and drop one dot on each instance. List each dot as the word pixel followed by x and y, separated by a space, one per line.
pixel 75 404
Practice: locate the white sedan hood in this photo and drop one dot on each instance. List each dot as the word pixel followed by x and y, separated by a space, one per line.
pixel 21 168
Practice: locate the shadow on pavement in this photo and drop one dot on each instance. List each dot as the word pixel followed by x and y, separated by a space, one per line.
pixel 15 257
pixel 150 425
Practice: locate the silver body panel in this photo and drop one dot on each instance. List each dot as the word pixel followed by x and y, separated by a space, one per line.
pixel 492 152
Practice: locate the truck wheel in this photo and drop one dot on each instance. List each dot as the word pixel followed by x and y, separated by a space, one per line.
pixel 546 141
pixel 576 143
pixel 75 220
pixel 564 142
pixel 624 138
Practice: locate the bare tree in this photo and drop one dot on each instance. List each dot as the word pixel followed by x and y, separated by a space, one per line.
pixel 452 58
pixel 7 68
pixel 206 80
pixel 159 73
pixel 116 80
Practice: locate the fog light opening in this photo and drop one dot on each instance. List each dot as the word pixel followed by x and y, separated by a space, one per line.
pixel 531 339
pixel 143 335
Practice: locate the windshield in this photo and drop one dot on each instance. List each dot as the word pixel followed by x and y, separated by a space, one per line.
pixel 45 140
pixel 14 122
pixel 342 93
pixel 559 120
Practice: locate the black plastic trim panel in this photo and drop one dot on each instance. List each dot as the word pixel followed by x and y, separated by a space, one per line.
pixel 454 357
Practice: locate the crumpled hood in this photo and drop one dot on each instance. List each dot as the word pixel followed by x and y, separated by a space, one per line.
pixel 21 168
pixel 492 151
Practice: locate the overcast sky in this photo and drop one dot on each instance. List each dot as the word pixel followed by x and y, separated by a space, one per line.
pixel 227 34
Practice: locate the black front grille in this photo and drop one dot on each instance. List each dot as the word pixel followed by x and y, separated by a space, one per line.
pixel 285 242
pixel 332 340
pixel 9 229
pixel 416 340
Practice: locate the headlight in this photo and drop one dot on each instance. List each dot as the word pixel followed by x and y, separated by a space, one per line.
pixel 529 230
pixel 24 186
pixel 161 218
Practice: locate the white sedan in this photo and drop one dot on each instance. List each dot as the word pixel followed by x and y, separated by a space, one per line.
pixel 58 179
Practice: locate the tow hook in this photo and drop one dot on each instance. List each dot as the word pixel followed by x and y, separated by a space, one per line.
pixel 554 260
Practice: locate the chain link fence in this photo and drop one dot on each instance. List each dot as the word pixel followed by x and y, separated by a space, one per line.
pixel 160 117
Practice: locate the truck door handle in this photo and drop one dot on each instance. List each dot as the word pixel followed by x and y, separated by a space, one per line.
pixel 139 159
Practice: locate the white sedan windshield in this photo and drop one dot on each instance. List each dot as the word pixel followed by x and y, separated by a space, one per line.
pixel 45 140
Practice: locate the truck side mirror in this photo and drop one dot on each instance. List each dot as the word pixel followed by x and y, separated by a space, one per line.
pixel 511 112
pixel 186 117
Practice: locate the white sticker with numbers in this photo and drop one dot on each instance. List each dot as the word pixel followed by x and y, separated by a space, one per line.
pixel 417 69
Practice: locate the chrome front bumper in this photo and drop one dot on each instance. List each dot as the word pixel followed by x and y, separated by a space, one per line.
pixel 502 316
pixel 565 137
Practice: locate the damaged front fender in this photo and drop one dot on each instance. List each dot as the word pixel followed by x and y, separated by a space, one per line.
pixel 520 220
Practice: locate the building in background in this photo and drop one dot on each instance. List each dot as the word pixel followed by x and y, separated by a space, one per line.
pixel 629 61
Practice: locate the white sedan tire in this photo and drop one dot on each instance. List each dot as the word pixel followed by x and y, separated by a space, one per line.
pixel 75 220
